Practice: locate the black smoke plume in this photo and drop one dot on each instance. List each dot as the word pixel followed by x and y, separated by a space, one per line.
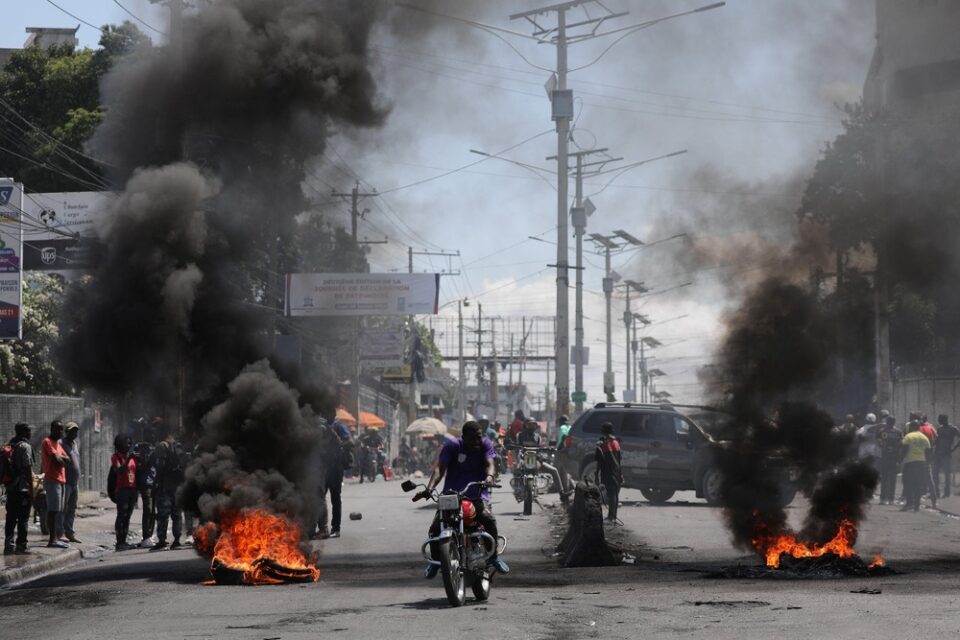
pixel 207 144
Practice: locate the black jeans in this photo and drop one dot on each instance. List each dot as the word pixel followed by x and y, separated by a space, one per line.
pixel 18 517
pixel 334 485
pixel 126 503
pixel 888 480
pixel 148 519
pixel 943 464
pixel 166 503
pixel 484 517
pixel 915 476
pixel 613 497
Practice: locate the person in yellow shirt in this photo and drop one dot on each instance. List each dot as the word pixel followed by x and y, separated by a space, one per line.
pixel 916 457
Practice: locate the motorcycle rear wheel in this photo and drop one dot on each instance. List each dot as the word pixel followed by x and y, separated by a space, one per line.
pixel 453 582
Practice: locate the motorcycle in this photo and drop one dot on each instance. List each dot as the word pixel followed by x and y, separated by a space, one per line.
pixel 464 547
pixel 528 480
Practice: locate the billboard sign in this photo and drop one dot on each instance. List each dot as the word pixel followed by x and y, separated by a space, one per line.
pixel 381 348
pixel 11 255
pixel 68 239
pixel 361 294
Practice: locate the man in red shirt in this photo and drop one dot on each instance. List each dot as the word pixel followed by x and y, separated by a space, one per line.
pixel 516 426
pixel 124 467
pixel 53 464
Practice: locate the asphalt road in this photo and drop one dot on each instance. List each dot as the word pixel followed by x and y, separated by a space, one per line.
pixel 371 585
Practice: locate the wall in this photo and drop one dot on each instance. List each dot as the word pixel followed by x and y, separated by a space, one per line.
pixel 39 411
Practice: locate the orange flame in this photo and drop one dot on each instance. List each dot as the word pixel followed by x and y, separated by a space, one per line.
pixel 772 546
pixel 878 561
pixel 242 538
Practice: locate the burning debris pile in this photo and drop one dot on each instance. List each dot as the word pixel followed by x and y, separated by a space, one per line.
pixel 253 546
pixel 776 348
pixel 207 141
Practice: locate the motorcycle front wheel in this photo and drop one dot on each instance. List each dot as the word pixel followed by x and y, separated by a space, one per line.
pixel 452 575
pixel 527 499
pixel 480 587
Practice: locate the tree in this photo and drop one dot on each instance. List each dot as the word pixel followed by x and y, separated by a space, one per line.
pixel 888 183
pixel 26 366
pixel 50 107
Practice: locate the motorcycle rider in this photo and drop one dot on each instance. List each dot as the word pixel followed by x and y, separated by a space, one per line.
pixel 469 458
pixel 530 437
pixel 371 443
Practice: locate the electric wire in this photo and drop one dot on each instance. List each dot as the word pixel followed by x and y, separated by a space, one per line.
pixel 138 19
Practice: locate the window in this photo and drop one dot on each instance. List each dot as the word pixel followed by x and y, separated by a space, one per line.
pixel 595 420
pixel 635 425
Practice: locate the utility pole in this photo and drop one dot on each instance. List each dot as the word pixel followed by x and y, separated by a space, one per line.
pixel 461 367
pixel 561 100
pixel 627 321
pixel 615 242
pixel 581 211
pixel 355 212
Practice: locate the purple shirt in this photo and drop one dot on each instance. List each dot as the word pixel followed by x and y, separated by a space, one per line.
pixel 465 466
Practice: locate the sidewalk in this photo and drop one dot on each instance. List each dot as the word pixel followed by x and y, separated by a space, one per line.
pixel 94 527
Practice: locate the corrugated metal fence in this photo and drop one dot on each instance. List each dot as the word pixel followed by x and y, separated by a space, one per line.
pixel 930 395
pixel 96 435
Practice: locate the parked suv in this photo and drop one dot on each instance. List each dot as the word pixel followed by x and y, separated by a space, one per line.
pixel 664 450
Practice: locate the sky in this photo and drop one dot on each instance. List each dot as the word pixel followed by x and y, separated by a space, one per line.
pixel 752 92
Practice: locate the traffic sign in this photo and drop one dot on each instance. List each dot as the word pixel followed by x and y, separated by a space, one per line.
pixel 579 396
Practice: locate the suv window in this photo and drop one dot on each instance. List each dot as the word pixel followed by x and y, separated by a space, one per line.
pixel 635 425
pixel 595 419
pixel 660 426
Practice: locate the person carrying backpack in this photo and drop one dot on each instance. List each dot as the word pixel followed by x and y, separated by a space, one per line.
pixel 168 467
pixel 16 469
pixel 609 472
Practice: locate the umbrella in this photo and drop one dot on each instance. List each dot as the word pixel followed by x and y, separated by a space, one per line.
pixel 367 419
pixel 426 427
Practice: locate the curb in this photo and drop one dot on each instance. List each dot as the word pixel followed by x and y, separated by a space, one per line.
pixel 35 569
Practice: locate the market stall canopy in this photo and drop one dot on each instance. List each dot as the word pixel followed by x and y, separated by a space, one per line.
pixel 426 427
pixel 367 419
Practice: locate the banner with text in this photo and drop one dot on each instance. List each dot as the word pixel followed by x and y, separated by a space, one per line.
pixel 11 256
pixel 362 294
pixel 67 240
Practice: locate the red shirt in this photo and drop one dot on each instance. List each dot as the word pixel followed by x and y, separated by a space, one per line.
pixel 126 471
pixel 515 427
pixel 53 469
pixel 928 430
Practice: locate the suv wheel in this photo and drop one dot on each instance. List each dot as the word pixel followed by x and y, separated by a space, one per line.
pixel 710 485
pixel 589 471
pixel 657 496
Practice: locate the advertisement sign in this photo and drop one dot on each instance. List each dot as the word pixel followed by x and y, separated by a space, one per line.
pixel 67 240
pixel 11 253
pixel 361 294
pixel 381 348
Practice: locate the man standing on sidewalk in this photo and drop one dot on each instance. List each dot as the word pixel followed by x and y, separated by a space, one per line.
pixel 167 464
pixel 19 491
pixel 888 441
pixel 943 449
pixel 71 445
pixel 53 464
pixel 916 457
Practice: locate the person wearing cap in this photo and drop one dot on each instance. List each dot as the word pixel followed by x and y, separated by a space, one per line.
pixel 608 471
pixel 71 445
pixel 19 492
pixel 867 439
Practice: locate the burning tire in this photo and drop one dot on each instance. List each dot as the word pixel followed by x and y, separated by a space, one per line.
pixel 452 576
pixel 710 486
pixel 657 496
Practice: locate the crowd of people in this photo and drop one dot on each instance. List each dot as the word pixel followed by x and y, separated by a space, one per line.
pixel 922 453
